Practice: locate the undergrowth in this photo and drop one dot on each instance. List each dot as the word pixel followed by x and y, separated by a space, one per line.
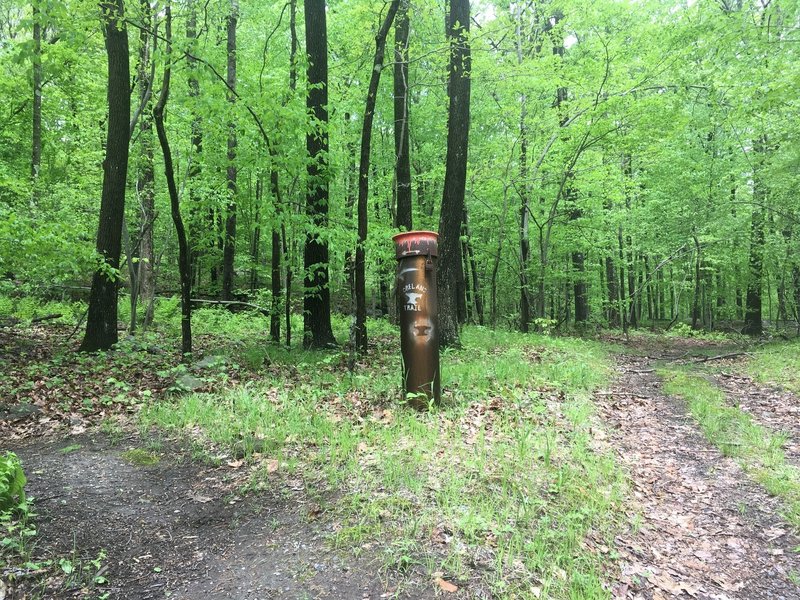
pixel 503 479
pixel 734 432
pixel 777 364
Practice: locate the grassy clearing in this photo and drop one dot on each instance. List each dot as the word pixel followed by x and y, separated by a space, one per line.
pixel 735 433
pixel 777 363
pixel 503 482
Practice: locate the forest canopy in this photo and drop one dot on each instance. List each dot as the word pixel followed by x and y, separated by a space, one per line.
pixel 627 162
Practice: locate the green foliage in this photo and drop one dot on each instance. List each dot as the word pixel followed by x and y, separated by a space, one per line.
pixel 777 363
pixel 12 483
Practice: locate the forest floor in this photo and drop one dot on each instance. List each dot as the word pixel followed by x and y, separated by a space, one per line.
pixel 126 512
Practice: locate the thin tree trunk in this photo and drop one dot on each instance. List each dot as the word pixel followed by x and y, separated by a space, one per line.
pixel 255 239
pixel 363 179
pixel 145 184
pixel 229 244
pixel 288 245
pixel 101 323
pixel 473 264
pixel 36 140
pixel 196 142
pixel 696 300
pixel 184 266
pixel 404 218
pixel 613 293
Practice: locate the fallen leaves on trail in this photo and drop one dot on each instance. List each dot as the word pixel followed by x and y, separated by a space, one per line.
pixel 700 528
pixel 778 410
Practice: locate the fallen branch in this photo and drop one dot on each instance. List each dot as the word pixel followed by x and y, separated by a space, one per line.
pixel 231 304
pixel 46 318
pixel 722 356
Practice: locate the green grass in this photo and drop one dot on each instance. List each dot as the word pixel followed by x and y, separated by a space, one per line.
pixel 505 469
pixel 777 363
pixel 735 433
pixel 140 458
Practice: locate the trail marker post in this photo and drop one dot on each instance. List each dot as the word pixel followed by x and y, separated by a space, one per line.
pixel 416 253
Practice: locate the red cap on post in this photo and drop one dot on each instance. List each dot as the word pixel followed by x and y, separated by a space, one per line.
pixel 414 243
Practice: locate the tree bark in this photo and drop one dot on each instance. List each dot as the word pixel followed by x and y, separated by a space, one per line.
pixel 229 244
pixel 317 330
pixel 101 323
pixel 184 266
pixel 404 219
pixel 455 179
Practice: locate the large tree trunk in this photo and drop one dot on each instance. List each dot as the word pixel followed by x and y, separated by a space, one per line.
pixel 101 324
pixel 229 245
pixel 401 136
pixel 363 179
pixel 455 179
pixel 184 266
pixel 317 330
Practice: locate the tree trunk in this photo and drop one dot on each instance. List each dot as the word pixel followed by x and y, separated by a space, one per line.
pixel 255 239
pixel 455 179
pixel 317 330
pixel 696 300
pixel 146 181
pixel 288 245
pixel 753 317
pixel 229 244
pixel 613 293
pixel 36 139
pixel 404 218
pixel 753 324
pixel 363 179
pixel 184 266
pixel 473 264
pixel 101 324
pixel 194 171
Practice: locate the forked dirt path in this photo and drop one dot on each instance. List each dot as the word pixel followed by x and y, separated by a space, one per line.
pixel 178 530
pixel 701 528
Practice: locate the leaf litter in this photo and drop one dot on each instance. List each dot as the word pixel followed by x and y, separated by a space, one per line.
pixel 698 527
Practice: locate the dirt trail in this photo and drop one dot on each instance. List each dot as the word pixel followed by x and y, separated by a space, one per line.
pixel 176 529
pixel 705 530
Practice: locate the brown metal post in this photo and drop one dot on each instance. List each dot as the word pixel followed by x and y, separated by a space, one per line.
pixel 416 253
